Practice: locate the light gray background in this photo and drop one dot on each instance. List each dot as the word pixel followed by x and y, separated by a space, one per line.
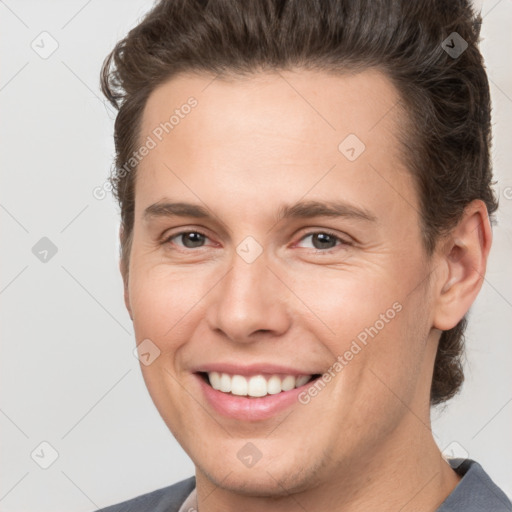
pixel 68 375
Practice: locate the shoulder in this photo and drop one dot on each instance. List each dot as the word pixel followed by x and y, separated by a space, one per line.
pixel 166 499
pixel 475 492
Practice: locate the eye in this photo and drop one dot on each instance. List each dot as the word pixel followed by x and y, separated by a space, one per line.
pixel 324 240
pixel 189 239
pixel 321 240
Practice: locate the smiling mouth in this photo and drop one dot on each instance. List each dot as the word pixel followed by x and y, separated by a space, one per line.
pixel 255 386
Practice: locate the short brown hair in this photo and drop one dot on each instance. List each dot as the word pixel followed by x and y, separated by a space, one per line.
pixel 445 96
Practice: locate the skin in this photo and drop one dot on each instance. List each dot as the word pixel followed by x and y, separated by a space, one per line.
pixel 251 146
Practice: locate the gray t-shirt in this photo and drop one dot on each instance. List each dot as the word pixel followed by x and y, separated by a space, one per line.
pixel 476 492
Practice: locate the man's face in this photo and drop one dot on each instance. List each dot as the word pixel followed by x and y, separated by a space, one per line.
pixel 246 291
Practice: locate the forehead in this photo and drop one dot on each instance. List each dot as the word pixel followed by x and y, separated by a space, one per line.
pixel 303 103
pixel 287 129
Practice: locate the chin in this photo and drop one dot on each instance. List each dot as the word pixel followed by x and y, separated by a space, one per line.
pixel 275 478
pixel 260 483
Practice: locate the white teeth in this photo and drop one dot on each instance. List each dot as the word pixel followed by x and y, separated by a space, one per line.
pixel 214 380
pixel 301 381
pixel 225 383
pixel 274 385
pixel 239 385
pixel 288 383
pixel 255 386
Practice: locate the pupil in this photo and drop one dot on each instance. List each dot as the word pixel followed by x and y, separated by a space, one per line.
pixel 323 238
pixel 192 239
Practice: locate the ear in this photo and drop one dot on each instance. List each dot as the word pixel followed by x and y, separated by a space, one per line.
pixel 124 275
pixel 463 257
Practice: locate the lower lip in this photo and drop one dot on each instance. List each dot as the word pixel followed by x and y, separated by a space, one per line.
pixel 249 408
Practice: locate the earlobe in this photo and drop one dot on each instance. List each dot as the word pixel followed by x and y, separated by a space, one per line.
pixel 464 255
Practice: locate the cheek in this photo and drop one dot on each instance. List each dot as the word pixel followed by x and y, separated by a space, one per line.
pixel 378 382
pixel 164 300
pixel 345 304
pixel 393 358
pixel 374 326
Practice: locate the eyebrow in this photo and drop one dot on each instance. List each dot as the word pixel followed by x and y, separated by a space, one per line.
pixel 300 210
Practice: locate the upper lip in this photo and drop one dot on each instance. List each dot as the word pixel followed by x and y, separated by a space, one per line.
pixel 251 369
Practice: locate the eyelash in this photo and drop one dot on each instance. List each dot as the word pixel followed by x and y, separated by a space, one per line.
pixel 343 242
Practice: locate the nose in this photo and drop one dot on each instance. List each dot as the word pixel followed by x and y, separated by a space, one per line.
pixel 250 303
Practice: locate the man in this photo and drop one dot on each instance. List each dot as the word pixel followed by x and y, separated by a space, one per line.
pixel 305 200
